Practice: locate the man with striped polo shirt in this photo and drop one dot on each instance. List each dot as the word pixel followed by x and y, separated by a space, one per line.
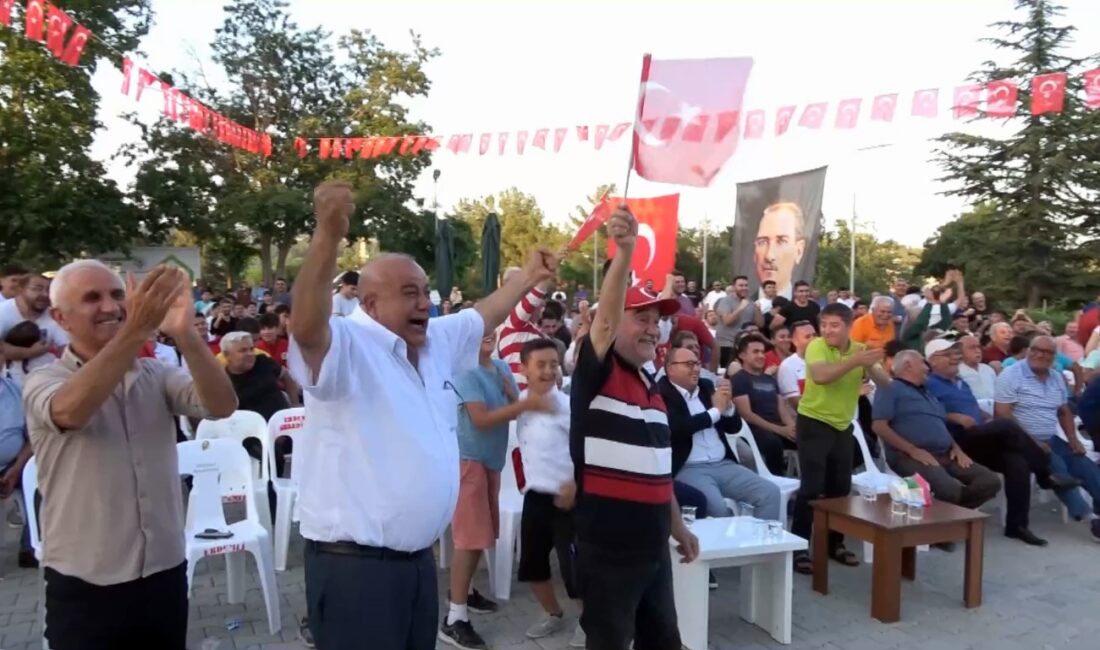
pixel 620 444
pixel 520 327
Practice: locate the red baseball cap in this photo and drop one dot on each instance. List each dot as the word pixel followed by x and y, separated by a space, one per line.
pixel 640 298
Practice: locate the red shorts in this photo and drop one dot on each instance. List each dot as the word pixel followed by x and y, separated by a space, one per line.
pixel 476 523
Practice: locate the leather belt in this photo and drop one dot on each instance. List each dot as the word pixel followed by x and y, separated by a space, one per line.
pixel 360 550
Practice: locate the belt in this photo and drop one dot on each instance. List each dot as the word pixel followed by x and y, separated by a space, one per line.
pixel 360 550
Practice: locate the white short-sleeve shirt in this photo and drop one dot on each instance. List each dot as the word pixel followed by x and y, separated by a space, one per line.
pixel 381 463
pixel 10 316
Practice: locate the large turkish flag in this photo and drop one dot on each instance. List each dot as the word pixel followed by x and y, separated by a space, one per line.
pixel 655 250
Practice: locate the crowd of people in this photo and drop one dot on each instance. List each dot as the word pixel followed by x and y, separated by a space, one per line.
pixel 621 413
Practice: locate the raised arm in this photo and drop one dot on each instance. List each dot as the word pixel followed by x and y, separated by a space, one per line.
pixel 623 229
pixel 332 204
pixel 826 373
pixel 211 382
pixel 541 267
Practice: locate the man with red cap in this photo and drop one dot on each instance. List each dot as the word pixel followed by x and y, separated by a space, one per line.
pixel 620 443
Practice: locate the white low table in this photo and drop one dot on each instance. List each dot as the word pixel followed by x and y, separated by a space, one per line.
pixel 766 577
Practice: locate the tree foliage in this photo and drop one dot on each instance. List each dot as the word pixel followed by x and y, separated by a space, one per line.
pixel 55 200
pixel 1039 185
pixel 878 263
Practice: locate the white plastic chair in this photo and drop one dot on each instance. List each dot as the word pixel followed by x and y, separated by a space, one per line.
pixel 240 426
pixel 30 488
pixel 185 427
pixel 871 477
pixel 288 422
pixel 787 486
pixel 214 466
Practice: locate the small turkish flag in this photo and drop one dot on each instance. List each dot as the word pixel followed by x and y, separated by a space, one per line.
pixel 71 55
pixel 582 133
pixel 418 145
pixel 847 113
pixel 35 18
pixel 540 139
pixel 127 67
pixel 601 135
pixel 301 147
pixel 926 103
pixel 460 143
pixel 1048 93
pixel 57 25
pixel 1092 88
pixel 265 147
pixel 783 119
pixel 754 125
pixel 325 148
pixel 483 144
pixel 618 131
pixel 1001 98
pixel 967 99
pixel 655 250
pixel 5 12
pixel 882 109
pixel 521 142
pixel 502 142
pixel 559 138
pixel 166 91
pixel 406 142
pixel 813 115
pixel 145 78
pixel 388 144
pixel 600 214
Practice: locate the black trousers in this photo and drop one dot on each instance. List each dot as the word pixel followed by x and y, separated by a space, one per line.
pixel 771 447
pixel 627 599
pixel 1004 447
pixel 381 603
pixel 149 612
pixel 825 458
pixel 545 529
pixel 726 356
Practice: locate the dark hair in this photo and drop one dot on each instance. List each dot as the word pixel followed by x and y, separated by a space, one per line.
pixel 739 277
pixel 267 292
pixel 892 347
pixel 801 283
pixel 745 341
pixel 1003 313
pixel 677 273
pixel 858 304
pixel 282 308
pixel 553 309
pixel 12 269
pixel 778 328
pixel 24 335
pixel 350 278
pixel 749 324
pixel 282 279
pixel 250 325
pixel 838 309
pixel 269 321
pixel 534 345
pixel 678 339
pixel 767 282
pixel 959 314
pixel 911 290
pixel 199 314
pixel 1018 344
pixel 780 301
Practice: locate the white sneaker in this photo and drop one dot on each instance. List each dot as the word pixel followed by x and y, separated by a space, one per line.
pixel 546 626
pixel 579 639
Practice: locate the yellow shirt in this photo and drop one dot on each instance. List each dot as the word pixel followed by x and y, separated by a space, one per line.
pixel 835 403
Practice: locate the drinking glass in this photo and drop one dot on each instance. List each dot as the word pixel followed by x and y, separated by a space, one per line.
pixel 916 510
pixel 868 493
pixel 775 529
pixel 688 513
pixel 747 510
pixel 897 508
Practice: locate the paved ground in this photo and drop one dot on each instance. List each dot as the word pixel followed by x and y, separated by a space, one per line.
pixel 1034 599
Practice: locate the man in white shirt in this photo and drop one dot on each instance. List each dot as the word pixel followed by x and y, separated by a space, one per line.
pixel 379 481
pixel 981 377
pixel 792 371
pixel 346 298
pixel 32 303
pixel 767 297
pixel 715 294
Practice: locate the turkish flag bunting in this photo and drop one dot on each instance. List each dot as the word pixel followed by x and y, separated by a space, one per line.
pixel 783 118
pixel 1092 88
pixel 847 113
pixel 406 142
pixel 559 137
pixel 540 139
pixel 967 99
pixel 418 145
pixel 882 109
pixel 57 25
pixel 521 142
pixel 169 100
pixel 75 48
pixel 1001 98
pixel 266 146
pixel 34 19
pixel 601 135
pixel 676 92
pixel 127 68
pixel 5 12
pixel 353 146
pixel 483 145
pixel 1048 93
pixel 145 78
pixel 301 147
pixel 325 149
pixel 926 103
pixel 460 143
pixel 582 133
pixel 388 144
pixel 813 115
pixel 618 131
pixel 502 142
pixel 600 214
pixel 433 143
pixel 655 250
pixel 754 125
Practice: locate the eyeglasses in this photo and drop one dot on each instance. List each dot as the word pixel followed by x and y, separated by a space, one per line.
pixel 692 365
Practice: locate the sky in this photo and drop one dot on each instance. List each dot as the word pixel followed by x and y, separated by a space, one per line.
pixel 527 64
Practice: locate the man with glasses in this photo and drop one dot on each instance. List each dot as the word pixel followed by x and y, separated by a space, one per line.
pixel 1035 397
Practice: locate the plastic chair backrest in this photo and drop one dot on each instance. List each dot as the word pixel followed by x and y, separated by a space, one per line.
pixel 30 488
pixel 865 451
pixel 508 480
pixel 287 422
pixel 239 426
pixel 217 467
pixel 746 434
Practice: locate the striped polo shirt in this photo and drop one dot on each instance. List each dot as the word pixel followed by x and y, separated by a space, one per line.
pixel 517 330
pixel 620 443
pixel 1036 400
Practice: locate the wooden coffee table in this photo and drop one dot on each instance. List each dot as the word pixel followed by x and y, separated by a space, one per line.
pixel 895 539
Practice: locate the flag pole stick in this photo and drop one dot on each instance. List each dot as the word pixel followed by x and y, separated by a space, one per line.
pixel 637 116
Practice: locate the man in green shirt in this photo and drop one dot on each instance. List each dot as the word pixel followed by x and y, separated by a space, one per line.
pixel 836 368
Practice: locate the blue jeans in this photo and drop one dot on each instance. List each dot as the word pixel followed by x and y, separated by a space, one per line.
pixel 1064 461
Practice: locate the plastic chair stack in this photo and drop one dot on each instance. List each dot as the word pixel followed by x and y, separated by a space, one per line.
pixel 30 487
pixel 288 422
pixel 240 426
pixel 787 486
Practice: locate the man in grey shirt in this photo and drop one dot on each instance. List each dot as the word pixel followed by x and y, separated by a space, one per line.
pixel 734 311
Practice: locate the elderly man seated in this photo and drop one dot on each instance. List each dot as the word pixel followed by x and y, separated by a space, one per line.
pixel 998 443
pixel 913 424
pixel 1034 395
pixel 700 415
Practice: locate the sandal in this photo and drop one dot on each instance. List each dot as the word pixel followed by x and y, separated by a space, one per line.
pixel 844 556
pixel 803 564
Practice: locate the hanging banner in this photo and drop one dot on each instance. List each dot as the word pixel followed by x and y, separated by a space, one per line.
pixel 776 228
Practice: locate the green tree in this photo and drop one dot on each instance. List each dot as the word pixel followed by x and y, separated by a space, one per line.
pixel 877 262
pixel 1041 180
pixel 55 200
